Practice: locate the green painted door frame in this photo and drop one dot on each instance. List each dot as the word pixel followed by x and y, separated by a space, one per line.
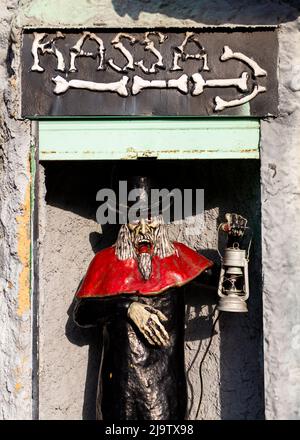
pixel 162 138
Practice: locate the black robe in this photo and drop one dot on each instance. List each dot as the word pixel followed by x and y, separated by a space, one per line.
pixel 138 381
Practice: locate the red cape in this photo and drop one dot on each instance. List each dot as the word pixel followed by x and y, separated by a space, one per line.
pixel 108 276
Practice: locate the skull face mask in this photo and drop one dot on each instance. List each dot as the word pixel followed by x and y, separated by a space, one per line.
pixel 142 240
pixel 143 235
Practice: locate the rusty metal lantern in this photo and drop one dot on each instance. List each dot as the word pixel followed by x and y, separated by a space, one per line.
pixel 233 288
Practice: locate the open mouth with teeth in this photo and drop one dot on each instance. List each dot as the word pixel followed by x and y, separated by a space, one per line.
pixel 143 246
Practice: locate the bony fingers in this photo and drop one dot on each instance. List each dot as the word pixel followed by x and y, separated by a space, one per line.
pixel 160 336
pixel 148 338
pixel 161 316
pixel 156 312
pixel 161 328
pixel 149 309
pixel 154 338
pixel 160 331
pixel 156 330
pixel 165 337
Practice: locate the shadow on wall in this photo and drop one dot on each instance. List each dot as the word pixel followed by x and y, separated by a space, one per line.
pixel 214 13
pixel 229 185
pixel 93 338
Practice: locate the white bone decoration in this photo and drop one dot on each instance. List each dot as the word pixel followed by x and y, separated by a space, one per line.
pixel 61 85
pixel 48 47
pixel 149 45
pixel 200 83
pixel 221 104
pixel 76 51
pixel 152 42
pixel 228 54
pixel 119 45
pixel 180 53
pixel 180 84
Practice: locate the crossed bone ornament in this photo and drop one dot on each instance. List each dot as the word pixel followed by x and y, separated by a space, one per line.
pixel 181 84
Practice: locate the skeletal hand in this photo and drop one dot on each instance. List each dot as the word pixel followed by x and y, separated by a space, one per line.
pixel 148 320
pixel 235 226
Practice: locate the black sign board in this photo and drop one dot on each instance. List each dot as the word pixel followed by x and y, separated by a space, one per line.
pixel 150 73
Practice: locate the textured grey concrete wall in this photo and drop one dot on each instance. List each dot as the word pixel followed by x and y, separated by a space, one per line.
pixel 69 357
pixel 64 349
pixel 279 178
pixel 15 322
pixel 280 172
pixel 145 13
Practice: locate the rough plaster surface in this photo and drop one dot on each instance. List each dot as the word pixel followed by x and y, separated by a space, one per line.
pixel 63 364
pixel 279 179
pixel 69 357
pixel 15 322
pixel 109 13
pixel 280 174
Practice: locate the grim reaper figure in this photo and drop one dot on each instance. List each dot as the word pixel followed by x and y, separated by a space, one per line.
pixel 135 290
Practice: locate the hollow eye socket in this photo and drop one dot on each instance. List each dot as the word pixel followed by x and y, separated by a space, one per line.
pixel 153 224
pixel 133 226
pixel 150 223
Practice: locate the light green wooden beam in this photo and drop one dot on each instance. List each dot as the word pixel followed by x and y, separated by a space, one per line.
pixel 105 139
